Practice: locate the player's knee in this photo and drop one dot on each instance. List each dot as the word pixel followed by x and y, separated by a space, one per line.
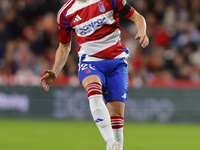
pixel 93 88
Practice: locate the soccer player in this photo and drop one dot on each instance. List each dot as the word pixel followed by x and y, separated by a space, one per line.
pixel 102 65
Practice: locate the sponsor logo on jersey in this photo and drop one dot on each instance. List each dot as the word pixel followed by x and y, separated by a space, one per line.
pixel 89 28
pixel 98 120
pixel 101 7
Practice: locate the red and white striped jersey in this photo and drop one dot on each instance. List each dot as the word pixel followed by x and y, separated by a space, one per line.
pixel 95 23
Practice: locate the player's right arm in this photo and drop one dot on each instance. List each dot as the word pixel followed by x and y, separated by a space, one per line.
pixel 60 60
pixel 62 51
pixel 61 57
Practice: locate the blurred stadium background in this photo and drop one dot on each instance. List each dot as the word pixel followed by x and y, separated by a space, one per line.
pixel 163 108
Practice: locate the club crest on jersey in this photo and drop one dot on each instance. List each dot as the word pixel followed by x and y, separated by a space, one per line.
pixel 101 7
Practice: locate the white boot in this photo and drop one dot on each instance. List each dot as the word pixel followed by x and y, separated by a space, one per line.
pixel 112 145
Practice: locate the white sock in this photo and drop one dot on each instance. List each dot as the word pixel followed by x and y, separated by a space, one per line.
pixel 101 116
pixel 119 136
pixel 118 126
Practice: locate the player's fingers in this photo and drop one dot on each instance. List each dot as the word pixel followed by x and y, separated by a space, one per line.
pixel 45 86
pixel 43 78
pixel 144 45
pixel 51 72
pixel 142 39
pixel 137 37
pixel 48 71
pixel 46 75
pixel 145 42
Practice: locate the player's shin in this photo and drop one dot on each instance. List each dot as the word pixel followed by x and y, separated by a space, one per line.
pixel 99 111
pixel 118 126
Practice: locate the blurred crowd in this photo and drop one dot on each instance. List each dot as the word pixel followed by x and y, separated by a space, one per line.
pixel 29 38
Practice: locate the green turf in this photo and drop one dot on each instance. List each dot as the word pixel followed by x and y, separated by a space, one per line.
pixel 69 135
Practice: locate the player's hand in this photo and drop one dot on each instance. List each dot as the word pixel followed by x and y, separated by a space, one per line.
pixel 47 79
pixel 143 39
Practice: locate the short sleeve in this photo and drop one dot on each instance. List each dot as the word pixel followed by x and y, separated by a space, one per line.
pixel 122 7
pixel 65 29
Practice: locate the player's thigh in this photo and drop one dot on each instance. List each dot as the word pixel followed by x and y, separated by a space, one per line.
pixel 117 84
pixel 89 72
pixel 90 79
pixel 116 108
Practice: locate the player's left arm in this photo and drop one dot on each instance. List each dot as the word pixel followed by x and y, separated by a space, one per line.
pixel 141 27
pixel 130 13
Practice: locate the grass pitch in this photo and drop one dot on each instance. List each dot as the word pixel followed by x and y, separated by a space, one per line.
pixel 75 135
